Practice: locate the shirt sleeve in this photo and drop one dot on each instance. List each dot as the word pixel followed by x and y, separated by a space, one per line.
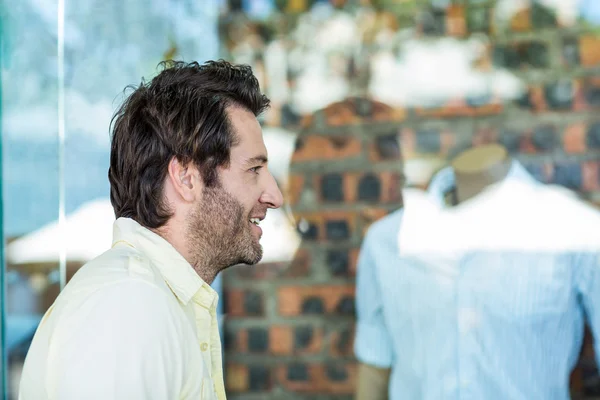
pixel 587 267
pixel 372 344
pixel 123 343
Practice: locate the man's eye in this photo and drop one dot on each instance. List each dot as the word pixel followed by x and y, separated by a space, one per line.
pixel 255 169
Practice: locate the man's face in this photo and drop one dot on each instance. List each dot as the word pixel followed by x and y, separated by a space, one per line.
pixel 226 219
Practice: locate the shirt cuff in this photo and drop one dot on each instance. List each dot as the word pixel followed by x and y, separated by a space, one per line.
pixel 372 345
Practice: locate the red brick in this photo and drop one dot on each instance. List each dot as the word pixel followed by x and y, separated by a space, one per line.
pixel 235 302
pixel 459 108
pixel 591 176
pixel 281 340
pixel 341 113
pixel 306 121
pixel 317 147
pixel 384 113
pixel 244 302
pixel 295 187
pixel 456 24
pixel 488 109
pixel 574 138
pixel 347 112
pixel 239 378
pixel 589 50
pixel 538 98
pixel 241 342
pixel 408 143
pixel 300 264
pixel 579 101
pixel 521 21
pixel 391 187
pixel 354 253
pixel 291 298
pixel 236 377
pixel 397 114
pixel 453 109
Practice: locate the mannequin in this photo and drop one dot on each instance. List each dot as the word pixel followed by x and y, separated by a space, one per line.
pixel 487 294
pixel 477 168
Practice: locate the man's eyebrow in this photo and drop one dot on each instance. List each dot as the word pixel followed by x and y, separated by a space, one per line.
pixel 262 159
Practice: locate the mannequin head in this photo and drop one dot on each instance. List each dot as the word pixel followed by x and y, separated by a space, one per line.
pixel 479 167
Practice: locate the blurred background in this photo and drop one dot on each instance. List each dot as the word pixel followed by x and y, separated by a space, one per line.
pixel 389 90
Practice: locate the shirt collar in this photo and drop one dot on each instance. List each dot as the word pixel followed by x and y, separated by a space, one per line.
pixel 174 268
pixel 445 180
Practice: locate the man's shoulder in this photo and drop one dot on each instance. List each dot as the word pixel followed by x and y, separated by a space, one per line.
pixel 385 229
pixel 121 264
pixel 118 273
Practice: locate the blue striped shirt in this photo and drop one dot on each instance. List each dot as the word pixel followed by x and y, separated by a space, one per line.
pixel 486 300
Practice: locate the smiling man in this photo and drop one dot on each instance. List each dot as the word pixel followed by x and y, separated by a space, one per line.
pixel 189 186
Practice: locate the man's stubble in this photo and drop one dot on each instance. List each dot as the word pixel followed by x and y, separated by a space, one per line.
pixel 219 234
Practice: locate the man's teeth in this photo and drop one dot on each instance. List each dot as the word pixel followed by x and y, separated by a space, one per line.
pixel 255 221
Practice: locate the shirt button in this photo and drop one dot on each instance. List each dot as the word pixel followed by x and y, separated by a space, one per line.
pixel 204 346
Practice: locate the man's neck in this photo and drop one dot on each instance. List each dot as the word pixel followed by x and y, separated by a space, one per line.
pixel 205 271
pixel 198 260
pixel 478 168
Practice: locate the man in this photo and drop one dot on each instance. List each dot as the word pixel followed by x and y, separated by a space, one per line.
pixel 189 186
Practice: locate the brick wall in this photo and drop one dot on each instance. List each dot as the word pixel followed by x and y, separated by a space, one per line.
pixel 289 326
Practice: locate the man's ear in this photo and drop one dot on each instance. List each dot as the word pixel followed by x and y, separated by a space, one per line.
pixel 184 179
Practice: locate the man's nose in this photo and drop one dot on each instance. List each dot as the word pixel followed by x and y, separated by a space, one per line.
pixel 272 196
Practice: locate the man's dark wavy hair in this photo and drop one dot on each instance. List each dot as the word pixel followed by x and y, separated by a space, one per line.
pixel 182 113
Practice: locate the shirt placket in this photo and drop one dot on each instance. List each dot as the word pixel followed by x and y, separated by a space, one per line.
pixel 205 306
pixel 466 316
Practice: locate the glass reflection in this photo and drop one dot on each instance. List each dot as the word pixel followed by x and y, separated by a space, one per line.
pixel 74 58
pixel 418 83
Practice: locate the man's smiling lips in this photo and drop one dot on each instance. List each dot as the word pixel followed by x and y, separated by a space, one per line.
pixel 255 221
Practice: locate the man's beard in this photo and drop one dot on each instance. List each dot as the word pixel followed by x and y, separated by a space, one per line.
pixel 219 233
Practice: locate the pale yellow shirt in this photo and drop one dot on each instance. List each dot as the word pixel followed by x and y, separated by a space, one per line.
pixel 136 323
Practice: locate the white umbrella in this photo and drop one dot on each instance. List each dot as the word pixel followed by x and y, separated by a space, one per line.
pixel 88 233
